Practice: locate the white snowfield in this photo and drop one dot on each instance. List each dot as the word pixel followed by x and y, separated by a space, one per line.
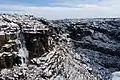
pixel 116 75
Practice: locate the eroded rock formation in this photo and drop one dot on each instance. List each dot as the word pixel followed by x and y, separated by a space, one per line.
pixel 72 49
pixel 35 49
pixel 97 41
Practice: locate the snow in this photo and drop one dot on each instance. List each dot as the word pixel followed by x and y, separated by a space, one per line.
pixel 4 71
pixel 1 54
pixel 116 75
pixel 17 41
pixel 10 41
pixel 2 23
pixel 92 31
pixel 34 39
pixel 7 46
pixel 10 55
pixel 6 53
pixel 2 33
pixel 14 25
pixel 14 52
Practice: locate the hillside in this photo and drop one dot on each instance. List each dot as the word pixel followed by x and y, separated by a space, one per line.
pixel 34 48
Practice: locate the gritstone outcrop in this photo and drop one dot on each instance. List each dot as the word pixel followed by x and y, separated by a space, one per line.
pixel 35 49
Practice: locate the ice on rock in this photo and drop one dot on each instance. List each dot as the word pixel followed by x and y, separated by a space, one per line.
pixel 34 39
pixel 22 52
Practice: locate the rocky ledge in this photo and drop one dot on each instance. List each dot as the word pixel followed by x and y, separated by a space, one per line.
pixel 36 49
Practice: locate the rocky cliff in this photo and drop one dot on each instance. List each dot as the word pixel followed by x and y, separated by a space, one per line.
pixel 36 49
pixel 97 41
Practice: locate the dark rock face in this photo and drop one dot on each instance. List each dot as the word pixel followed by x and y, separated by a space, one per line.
pixel 37 44
pixel 97 40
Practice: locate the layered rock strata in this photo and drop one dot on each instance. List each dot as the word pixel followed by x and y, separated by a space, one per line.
pixel 34 49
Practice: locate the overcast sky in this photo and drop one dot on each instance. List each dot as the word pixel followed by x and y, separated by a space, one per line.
pixel 60 9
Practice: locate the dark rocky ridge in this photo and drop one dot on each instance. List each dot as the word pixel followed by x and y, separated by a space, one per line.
pixel 97 40
pixel 35 49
